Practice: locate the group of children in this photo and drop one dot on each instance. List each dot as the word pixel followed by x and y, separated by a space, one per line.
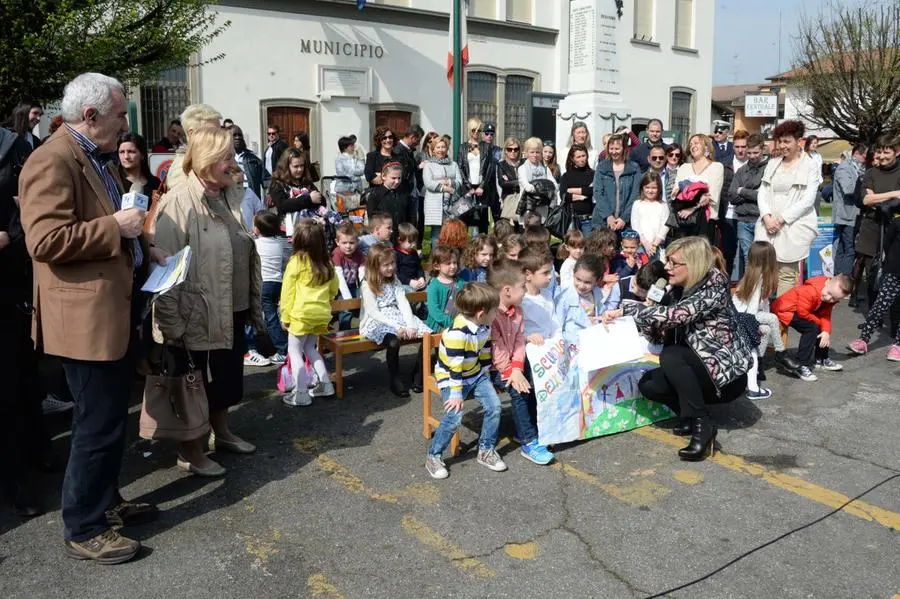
pixel 492 295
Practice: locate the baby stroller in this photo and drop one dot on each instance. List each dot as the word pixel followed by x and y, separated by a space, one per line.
pixel 343 196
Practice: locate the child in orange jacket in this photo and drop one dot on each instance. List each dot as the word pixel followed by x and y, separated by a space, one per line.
pixel 807 309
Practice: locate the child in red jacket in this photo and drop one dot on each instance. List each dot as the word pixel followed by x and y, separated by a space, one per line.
pixel 807 309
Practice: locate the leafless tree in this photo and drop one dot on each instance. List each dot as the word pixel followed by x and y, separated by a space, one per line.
pixel 847 62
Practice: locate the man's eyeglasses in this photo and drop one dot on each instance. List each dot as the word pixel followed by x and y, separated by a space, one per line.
pixel 271 133
pixel 515 149
pixel 657 158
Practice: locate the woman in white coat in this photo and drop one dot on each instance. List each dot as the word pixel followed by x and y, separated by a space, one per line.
pixel 442 180
pixel 786 201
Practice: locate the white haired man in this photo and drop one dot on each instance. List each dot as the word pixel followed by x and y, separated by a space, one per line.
pixel 85 249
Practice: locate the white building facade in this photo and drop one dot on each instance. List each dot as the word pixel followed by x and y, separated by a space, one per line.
pixel 325 68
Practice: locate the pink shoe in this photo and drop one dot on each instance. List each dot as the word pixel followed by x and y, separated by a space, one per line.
pixel 894 353
pixel 859 347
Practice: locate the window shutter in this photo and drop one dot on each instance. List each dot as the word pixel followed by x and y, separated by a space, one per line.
pixel 643 19
pixel 518 11
pixel 481 101
pixel 485 9
pixel 684 23
pixel 517 106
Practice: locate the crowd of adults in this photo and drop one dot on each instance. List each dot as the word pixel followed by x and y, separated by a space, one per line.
pixel 67 232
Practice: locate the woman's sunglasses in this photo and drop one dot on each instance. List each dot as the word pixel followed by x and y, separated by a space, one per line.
pixel 515 149
pixel 675 155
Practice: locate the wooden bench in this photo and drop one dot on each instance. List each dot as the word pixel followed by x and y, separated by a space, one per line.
pixel 430 343
pixel 342 343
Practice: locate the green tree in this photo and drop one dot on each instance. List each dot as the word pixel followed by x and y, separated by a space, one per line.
pixel 45 43
pixel 847 62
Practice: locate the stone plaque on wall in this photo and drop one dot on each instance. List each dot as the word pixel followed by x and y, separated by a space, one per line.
pixel 607 61
pixel 344 82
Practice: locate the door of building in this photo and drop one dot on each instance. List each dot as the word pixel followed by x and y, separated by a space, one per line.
pixel 290 119
pixel 397 120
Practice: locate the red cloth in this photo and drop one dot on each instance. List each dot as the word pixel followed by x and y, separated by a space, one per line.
pixel 806 302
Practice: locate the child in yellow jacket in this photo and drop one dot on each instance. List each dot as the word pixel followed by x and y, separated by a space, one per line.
pixel 308 286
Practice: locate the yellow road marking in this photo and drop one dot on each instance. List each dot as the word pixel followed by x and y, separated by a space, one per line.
pixel 459 558
pixel 526 551
pixel 641 493
pixel 795 485
pixel 688 477
pixel 351 482
pixel 318 586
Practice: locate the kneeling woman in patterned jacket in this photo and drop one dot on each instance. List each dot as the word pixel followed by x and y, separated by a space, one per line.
pixel 704 359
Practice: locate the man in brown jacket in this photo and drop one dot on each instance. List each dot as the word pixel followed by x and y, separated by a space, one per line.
pixel 85 250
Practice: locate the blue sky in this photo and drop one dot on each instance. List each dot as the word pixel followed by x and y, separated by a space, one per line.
pixel 746 38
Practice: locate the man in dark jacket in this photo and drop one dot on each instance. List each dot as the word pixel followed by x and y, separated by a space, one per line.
pixel 248 161
pixel 20 401
pixel 405 153
pixel 742 196
pixel 641 152
pixel 845 208
pixel 724 149
pixel 275 148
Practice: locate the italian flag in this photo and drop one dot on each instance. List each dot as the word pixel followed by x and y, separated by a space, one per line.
pixel 463 40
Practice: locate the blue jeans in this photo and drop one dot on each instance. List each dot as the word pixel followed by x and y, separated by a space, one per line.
pixel 345 319
pixel 271 295
pixel 435 234
pixel 586 225
pixel 483 391
pixel 844 251
pixel 524 407
pixel 101 391
pixel 745 235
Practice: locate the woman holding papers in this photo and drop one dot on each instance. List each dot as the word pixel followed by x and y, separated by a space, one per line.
pixel 206 314
pixel 704 360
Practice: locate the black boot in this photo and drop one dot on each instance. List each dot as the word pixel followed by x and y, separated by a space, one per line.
pixel 398 388
pixel 786 361
pixel 703 441
pixel 683 428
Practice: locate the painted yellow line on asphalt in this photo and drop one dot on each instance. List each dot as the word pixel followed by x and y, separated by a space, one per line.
pixel 351 482
pixel 644 492
pixel 457 556
pixel 798 486
pixel 318 586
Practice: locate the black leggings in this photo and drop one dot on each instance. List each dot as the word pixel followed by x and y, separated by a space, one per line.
pixel 683 384
pixel 391 345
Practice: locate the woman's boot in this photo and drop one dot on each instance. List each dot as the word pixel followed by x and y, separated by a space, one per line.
pixel 703 441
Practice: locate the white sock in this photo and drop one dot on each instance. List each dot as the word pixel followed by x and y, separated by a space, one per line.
pixel 752 375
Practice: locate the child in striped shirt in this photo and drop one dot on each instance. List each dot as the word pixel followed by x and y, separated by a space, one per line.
pixel 463 369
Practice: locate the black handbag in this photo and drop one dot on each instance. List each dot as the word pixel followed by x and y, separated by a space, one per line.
pixel 559 220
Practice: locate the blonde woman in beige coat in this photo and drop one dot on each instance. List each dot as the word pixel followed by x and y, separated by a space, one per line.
pixel 207 313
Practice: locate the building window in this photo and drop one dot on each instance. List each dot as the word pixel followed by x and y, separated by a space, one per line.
pixel 482 96
pixel 518 11
pixel 643 20
pixel 162 101
pixel 483 9
pixel 684 23
pixel 515 121
pixel 682 112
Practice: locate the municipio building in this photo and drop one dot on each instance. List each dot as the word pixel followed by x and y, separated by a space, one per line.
pixel 329 69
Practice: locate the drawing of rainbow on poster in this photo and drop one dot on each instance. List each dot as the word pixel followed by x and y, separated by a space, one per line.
pixel 574 404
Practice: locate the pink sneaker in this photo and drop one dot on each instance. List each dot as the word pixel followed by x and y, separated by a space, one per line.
pixel 858 347
pixel 894 353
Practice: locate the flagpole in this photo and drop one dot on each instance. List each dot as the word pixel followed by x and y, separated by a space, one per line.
pixel 457 72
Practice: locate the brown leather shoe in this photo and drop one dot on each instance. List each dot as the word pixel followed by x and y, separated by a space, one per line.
pixel 107 548
pixel 131 513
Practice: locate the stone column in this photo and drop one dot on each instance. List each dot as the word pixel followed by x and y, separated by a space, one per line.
pixel 593 73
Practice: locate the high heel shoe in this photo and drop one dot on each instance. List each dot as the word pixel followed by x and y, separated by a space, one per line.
pixel 683 428
pixel 702 443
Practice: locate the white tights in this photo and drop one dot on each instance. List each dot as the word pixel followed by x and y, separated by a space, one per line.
pixel 305 345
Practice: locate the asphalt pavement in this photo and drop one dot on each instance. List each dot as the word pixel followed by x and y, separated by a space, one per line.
pixel 337 503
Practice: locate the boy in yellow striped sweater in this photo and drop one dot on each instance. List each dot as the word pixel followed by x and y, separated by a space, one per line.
pixel 463 369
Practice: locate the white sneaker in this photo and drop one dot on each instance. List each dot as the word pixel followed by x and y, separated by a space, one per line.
pixel 254 358
pixel 436 467
pixel 55 405
pixel 277 359
pixel 295 399
pixel 325 389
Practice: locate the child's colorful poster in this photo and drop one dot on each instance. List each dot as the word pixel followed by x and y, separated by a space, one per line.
pixel 574 404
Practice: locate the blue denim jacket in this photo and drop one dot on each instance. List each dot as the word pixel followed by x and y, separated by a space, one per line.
pixel 570 314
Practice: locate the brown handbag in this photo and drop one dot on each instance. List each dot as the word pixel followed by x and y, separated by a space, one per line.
pixel 175 408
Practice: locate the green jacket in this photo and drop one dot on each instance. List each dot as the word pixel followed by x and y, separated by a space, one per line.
pixel 437 294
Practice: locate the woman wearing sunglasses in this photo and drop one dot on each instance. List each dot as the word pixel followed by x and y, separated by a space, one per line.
pixel 477 168
pixel 382 153
pixel 508 178
pixel 704 359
